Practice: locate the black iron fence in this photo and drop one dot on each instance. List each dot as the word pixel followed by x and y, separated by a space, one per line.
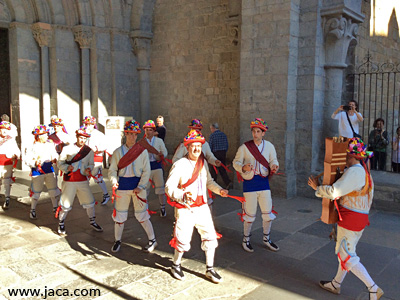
pixel 377 91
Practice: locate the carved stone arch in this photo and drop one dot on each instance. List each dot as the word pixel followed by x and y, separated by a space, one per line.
pixel 101 13
pixel 5 12
pixel 44 13
pixel 85 12
pixel 71 12
pixel 142 15
pixel 31 12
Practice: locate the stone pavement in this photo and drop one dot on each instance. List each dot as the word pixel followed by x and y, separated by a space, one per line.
pixel 33 255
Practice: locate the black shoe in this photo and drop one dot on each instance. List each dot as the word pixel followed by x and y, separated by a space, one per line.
pixel 32 214
pixel 247 246
pixel 163 213
pixel 106 198
pixel 213 275
pixel 177 272
pixel 61 228
pixel 328 285
pixel 270 245
pixel 6 204
pixel 151 246
pixel 116 246
pixel 96 227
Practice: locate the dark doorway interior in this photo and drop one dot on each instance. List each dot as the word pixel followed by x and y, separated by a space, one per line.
pixel 4 74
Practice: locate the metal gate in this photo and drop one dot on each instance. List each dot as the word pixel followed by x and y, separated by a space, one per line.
pixel 377 91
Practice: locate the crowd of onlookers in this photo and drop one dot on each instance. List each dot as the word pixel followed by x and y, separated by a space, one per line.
pixel 378 140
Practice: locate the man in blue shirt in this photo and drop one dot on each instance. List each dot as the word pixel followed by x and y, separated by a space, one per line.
pixel 219 146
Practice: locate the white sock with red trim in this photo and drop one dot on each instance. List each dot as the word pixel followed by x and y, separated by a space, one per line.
pixel 266 227
pixel 247 230
pixel 103 186
pixel 210 257
pixel 90 212
pixel 148 227
pixel 340 275
pixel 33 203
pixel 361 272
pixel 118 229
pixel 178 257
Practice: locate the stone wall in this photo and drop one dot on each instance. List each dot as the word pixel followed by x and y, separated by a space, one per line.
pixel 195 67
pixel 268 79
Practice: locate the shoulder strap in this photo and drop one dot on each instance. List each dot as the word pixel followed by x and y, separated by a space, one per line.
pixel 83 152
pixel 251 146
pixel 351 125
pixel 199 165
pixel 130 156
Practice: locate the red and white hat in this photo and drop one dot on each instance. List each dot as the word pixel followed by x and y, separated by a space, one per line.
pixel 149 124
pixel 194 136
pixel 196 124
pixel 89 120
pixel 132 126
pixel 39 130
pixel 82 131
pixel 5 125
pixel 259 123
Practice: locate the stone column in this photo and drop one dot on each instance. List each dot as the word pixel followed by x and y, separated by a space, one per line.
pixel 43 34
pixel 84 36
pixel 141 48
pixel 340 26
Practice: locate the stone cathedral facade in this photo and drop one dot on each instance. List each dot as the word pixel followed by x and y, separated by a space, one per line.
pixel 225 61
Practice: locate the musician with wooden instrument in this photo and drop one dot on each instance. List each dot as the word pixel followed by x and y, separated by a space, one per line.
pixel 256 161
pixel 354 191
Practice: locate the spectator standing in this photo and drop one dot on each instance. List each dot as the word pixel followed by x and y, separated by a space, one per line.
pixel 349 119
pixel 377 141
pixel 219 146
pixel 396 151
pixel 161 129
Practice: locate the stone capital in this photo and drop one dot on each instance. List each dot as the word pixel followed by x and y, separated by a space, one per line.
pixel 43 34
pixel 339 31
pixel 83 36
pixel 141 46
pixel 340 19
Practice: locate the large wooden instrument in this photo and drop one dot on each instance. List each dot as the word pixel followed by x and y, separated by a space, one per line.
pixel 334 164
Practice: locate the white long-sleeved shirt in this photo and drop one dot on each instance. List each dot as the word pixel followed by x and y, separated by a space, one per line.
pixel 181 172
pixel 353 179
pixel 40 152
pixel 68 153
pixel 159 145
pixel 140 167
pixel 244 157
pixel 10 148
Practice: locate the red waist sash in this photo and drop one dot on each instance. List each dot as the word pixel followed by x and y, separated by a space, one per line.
pixel 352 220
pixel 5 161
pixel 75 176
pixel 98 158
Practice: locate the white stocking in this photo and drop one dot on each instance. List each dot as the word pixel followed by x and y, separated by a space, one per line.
pixel 148 227
pixel 118 229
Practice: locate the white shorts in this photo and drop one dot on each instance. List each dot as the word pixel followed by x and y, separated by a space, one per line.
pixel 121 206
pixel 70 189
pixel 263 198
pixel 186 220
